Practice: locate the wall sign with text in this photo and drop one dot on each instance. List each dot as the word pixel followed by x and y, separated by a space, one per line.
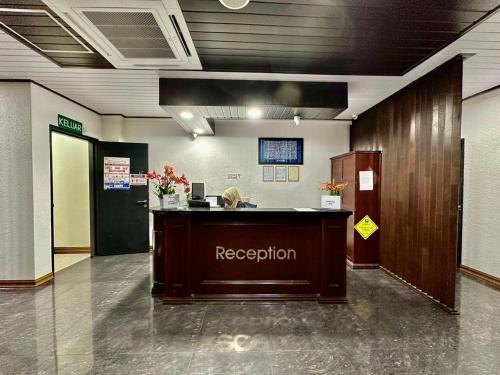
pixel 281 151
pixel 366 227
pixel 69 124
pixel 138 179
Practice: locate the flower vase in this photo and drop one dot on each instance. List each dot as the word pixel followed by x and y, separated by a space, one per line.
pixel 171 201
pixel 331 202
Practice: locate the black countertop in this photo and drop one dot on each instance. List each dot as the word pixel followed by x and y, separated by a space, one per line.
pixel 292 211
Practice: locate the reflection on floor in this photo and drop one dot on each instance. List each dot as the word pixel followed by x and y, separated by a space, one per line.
pixel 99 318
pixel 62 261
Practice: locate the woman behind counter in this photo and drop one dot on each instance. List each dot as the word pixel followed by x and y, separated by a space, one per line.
pixel 232 199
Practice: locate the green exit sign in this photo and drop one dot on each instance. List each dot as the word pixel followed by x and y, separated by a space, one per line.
pixel 69 124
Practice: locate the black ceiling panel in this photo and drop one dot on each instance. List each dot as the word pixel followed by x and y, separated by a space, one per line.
pixel 365 37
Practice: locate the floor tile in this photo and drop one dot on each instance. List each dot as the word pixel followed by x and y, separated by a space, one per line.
pixel 231 363
pixel 98 317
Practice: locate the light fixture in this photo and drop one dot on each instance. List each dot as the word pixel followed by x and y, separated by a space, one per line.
pixel 296 120
pixel 254 113
pixel 355 117
pixel 194 135
pixel 234 4
pixel 186 115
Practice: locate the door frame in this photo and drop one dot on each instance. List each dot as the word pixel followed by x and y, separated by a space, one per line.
pixel 460 216
pixel 92 142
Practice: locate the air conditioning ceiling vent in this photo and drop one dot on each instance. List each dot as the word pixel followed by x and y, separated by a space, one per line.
pixel 133 34
pixel 135 43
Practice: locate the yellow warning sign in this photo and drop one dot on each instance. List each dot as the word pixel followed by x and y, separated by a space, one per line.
pixel 366 227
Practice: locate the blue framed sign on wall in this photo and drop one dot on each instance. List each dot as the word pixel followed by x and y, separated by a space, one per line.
pixel 281 151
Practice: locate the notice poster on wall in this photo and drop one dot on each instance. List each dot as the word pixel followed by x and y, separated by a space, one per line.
pixel 116 165
pixel 365 180
pixel 116 173
pixel 138 180
pixel 281 151
pixel 116 181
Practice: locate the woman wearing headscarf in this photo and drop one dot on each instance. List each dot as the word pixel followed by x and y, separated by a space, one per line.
pixel 232 198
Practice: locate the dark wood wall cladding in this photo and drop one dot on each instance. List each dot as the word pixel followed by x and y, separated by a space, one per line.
pixel 379 37
pixel 418 130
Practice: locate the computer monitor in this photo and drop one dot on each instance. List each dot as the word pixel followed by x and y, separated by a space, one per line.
pixel 215 200
pixel 198 190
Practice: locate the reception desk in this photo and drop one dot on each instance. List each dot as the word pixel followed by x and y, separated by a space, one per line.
pixel 249 254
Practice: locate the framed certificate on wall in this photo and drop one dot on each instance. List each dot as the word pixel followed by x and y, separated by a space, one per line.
pixel 280 173
pixel 293 173
pixel 268 173
pixel 281 151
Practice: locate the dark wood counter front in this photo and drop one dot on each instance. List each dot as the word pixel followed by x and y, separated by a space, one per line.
pixel 245 254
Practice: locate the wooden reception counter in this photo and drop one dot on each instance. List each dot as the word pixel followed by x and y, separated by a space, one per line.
pixel 250 254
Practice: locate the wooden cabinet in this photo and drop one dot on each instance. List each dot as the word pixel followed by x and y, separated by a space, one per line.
pixel 361 253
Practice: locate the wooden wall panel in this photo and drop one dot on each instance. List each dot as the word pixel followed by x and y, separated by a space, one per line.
pixel 418 130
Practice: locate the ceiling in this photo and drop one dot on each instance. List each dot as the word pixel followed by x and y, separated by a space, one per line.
pixel 136 92
pixel 355 37
pixel 34 24
pixel 191 102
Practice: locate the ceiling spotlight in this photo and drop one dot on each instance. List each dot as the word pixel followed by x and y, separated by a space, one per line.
pixel 296 120
pixel 354 117
pixel 234 4
pixel 254 113
pixel 186 115
pixel 194 135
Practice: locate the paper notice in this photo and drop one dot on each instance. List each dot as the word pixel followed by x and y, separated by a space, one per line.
pixel 365 180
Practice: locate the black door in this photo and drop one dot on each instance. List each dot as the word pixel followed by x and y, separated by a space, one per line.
pixel 122 216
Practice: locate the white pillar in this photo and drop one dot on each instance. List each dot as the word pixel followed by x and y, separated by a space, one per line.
pixel 17 258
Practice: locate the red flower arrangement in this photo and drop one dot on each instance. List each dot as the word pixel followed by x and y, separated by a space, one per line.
pixel 165 183
pixel 333 188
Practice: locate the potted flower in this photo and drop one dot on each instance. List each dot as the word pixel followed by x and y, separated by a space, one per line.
pixel 333 199
pixel 164 186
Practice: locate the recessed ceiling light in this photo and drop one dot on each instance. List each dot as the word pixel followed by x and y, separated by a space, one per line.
pixel 234 4
pixel 296 120
pixel 254 113
pixel 186 115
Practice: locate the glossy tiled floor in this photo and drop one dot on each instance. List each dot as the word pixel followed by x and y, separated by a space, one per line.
pixel 98 317
pixel 62 261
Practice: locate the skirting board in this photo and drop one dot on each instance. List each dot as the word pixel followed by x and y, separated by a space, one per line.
pixel 421 292
pixel 26 283
pixel 483 276
pixel 72 250
pixel 362 266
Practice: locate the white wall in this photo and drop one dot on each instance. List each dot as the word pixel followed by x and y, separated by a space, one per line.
pixel 16 183
pixel 481 234
pixel 111 129
pixel 234 150
pixel 70 171
pixel 26 111
pixel 45 106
